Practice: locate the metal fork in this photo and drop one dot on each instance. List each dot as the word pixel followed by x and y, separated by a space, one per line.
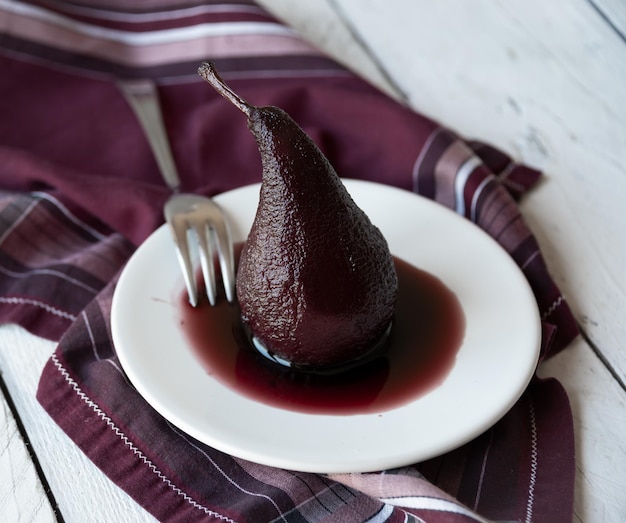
pixel 186 214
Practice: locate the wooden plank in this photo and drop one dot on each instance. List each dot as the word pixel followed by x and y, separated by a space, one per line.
pixel 82 491
pixel 22 495
pixel 615 13
pixel 598 406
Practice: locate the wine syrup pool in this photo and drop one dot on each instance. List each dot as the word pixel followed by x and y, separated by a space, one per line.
pixel 427 333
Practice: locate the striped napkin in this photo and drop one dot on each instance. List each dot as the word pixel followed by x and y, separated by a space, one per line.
pixel 80 191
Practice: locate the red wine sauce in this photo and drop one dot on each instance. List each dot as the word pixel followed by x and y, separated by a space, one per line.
pixel 427 332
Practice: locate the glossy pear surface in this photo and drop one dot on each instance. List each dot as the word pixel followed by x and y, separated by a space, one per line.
pixel 316 282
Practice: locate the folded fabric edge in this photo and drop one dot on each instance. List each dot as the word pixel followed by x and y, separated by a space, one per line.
pixel 104 443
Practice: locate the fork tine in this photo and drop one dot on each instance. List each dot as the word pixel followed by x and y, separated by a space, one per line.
pixel 202 232
pixel 226 257
pixel 199 220
pixel 178 227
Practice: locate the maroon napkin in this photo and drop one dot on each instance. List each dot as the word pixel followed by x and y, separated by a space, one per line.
pixel 80 190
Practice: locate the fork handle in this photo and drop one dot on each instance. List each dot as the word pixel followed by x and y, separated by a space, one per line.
pixel 143 98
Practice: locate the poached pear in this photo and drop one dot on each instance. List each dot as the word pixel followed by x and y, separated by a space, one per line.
pixel 316 282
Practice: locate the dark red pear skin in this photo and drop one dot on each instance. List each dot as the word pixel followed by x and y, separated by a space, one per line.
pixel 316 281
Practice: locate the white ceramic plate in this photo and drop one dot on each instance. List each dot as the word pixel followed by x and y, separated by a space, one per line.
pixel 493 366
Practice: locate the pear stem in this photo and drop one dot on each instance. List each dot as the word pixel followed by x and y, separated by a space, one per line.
pixel 208 72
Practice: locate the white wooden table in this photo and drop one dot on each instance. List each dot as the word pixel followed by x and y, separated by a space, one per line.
pixel 545 81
